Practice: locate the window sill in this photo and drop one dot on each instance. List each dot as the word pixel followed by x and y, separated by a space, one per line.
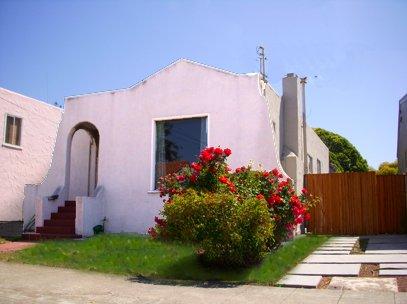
pixel 6 145
pixel 153 192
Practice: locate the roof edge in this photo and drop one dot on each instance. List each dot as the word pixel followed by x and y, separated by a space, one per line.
pixel 159 71
pixel 33 99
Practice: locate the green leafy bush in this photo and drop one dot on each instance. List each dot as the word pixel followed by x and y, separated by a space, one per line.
pixel 225 212
pixel 227 232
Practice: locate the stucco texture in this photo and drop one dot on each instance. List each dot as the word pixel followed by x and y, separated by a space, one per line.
pixel 29 163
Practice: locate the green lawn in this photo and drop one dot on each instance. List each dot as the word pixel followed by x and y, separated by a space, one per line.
pixel 2 240
pixel 137 255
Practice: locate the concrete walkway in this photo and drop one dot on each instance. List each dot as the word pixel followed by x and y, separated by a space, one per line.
pixel 15 246
pixel 38 284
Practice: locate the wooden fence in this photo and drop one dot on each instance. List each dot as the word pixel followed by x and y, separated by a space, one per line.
pixel 358 203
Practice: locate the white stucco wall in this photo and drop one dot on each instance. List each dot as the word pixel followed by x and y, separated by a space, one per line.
pixel 237 114
pixel 29 163
pixel 317 150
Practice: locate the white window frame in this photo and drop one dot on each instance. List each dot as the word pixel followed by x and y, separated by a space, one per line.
pixel 154 141
pixel 7 145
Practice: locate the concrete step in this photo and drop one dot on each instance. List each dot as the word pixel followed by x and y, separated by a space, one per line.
pixel 327 269
pixel 293 280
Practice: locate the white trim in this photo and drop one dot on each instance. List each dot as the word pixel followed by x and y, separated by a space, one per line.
pixel 154 141
pixel 11 146
pixel 157 72
pixel 5 144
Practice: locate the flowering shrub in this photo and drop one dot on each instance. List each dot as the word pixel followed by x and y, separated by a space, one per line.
pixel 211 180
pixel 227 231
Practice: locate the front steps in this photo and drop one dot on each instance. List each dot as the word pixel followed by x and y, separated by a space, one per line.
pixel 60 226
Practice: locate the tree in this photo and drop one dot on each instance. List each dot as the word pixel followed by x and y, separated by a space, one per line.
pixel 387 168
pixel 343 156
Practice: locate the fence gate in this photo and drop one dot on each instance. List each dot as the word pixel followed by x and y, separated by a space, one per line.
pixel 358 203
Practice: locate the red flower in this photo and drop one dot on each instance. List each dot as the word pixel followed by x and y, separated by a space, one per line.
pixel 307 216
pixel 299 220
pixel 152 232
pixel 260 196
pixel 223 179
pixel 196 166
pixel 274 199
pixel 218 151
pixel 227 151
pixel 304 191
pixel 275 172
pixel 160 222
pixel 180 178
pixel 193 178
pixel 206 156
pixel 266 174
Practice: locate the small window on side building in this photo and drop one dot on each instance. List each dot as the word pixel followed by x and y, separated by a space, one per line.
pixel 12 132
pixel 310 164
pixel 319 170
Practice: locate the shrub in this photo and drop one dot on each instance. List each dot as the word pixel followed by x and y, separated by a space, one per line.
pixel 227 231
pixel 204 202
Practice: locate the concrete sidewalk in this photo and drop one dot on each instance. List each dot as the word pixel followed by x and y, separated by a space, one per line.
pixel 38 284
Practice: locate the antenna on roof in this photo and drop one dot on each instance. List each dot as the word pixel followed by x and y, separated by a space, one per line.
pixel 262 58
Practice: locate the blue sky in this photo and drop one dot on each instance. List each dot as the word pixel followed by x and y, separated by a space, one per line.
pixel 357 50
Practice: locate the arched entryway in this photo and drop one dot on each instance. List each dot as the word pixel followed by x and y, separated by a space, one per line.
pixel 82 160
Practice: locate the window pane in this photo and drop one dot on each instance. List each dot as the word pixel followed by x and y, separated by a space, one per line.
pixel 9 129
pixel 13 130
pixel 178 142
pixel 17 135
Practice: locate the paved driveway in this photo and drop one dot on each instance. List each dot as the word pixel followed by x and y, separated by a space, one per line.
pixel 38 284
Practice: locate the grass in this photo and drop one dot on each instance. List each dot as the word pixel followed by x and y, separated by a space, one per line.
pixel 140 256
pixel 2 241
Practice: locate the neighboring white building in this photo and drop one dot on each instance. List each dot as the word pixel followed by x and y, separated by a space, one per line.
pixel 134 135
pixel 402 136
pixel 28 128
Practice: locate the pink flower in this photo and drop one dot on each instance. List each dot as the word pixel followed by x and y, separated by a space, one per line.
pixel 304 191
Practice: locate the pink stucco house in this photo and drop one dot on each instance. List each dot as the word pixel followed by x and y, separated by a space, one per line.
pixel 28 128
pixel 112 146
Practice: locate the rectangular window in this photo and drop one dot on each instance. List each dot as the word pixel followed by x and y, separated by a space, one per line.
pixel 319 170
pixel 12 132
pixel 310 164
pixel 178 142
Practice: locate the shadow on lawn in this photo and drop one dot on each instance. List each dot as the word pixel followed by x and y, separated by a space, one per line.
pixel 173 282
pixel 188 271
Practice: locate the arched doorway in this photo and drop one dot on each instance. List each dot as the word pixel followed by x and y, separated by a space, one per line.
pixel 82 160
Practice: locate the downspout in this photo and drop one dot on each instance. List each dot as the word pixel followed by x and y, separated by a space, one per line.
pixel 304 124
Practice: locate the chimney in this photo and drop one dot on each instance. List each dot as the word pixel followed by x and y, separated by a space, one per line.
pixel 292 101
